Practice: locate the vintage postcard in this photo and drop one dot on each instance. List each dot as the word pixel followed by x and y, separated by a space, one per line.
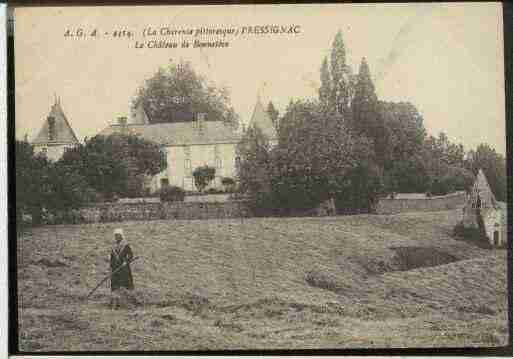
pixel 253 177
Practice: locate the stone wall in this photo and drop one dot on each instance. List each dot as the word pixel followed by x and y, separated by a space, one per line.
pixel 119 212
pixel 439 203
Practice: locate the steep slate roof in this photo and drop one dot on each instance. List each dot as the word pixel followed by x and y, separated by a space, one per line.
pixel 139 116
pixel 482 188
pixel 63 131
pixel 262 120
pixel 504 212
pixel 181 133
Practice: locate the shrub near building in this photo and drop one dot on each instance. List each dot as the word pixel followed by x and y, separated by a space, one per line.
pixel 171 194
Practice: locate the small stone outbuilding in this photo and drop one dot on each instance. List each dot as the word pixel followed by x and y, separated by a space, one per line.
pixel 483 211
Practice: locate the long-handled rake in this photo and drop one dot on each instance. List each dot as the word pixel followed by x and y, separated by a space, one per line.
pixel 110 275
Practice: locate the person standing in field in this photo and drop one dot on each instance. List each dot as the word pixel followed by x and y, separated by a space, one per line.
pixel 120 257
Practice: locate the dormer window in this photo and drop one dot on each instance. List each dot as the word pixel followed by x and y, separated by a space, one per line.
pixel 122 121
pixel 201 116
pixel 200 119
pixel 51 129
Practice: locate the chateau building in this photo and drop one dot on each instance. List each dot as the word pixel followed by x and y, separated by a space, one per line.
pixel 56 135
pixel 483 211
pixel 191 143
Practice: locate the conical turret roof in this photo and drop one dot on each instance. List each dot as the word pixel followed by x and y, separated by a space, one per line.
pixel 139 116
pixel 62 133
pixel 482 189
pixel 262 120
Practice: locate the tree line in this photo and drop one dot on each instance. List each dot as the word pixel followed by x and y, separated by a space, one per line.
pixel 346 144
pixel 100 169
pixel 349 145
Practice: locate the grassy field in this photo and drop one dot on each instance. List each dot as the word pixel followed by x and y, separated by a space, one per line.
pixel 362 281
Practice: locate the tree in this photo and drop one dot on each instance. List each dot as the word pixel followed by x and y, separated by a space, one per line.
pixel 325 91
pixel 366 119
pixel 403 147
pixel 337 81
pixel 31 174
pixel 177 93
pixel 340 77
pixel 363 187
pixel 203 175
pixel 116 164
pixel 407 175
pixel 67 189
pixel 254 169
pixel 493 165
pixel 365 103
pixel 440 154
pixel 43 186
pixel 314 157
pixel 273 113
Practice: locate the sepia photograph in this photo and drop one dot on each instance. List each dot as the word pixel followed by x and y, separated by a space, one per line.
pixel 260 177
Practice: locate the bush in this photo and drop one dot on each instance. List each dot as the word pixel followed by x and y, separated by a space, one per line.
pixel 441 187
pixel 203 175
pixel 470 234
pixel 228 184
pixel 171 194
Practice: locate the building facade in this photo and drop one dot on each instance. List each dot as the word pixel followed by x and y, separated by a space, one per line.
pixel 56 134
pixel 192 143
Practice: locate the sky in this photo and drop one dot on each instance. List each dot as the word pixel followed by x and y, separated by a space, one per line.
pixel 446 59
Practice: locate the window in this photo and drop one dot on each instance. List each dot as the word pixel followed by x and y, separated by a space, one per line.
pixel 164 182
pixel 237 161
pixel 187 151
pixel 201 116
pixel 44 150
pixel 219 163
pixel 187 167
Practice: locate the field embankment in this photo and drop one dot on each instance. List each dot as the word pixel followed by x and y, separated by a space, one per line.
pixel 330 282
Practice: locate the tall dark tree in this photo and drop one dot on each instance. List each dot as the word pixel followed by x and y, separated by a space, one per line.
pixel 366 119
pixel 325 91
pixel 177 93
pixel 365 104
pixel 273 113
pixel 341 81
